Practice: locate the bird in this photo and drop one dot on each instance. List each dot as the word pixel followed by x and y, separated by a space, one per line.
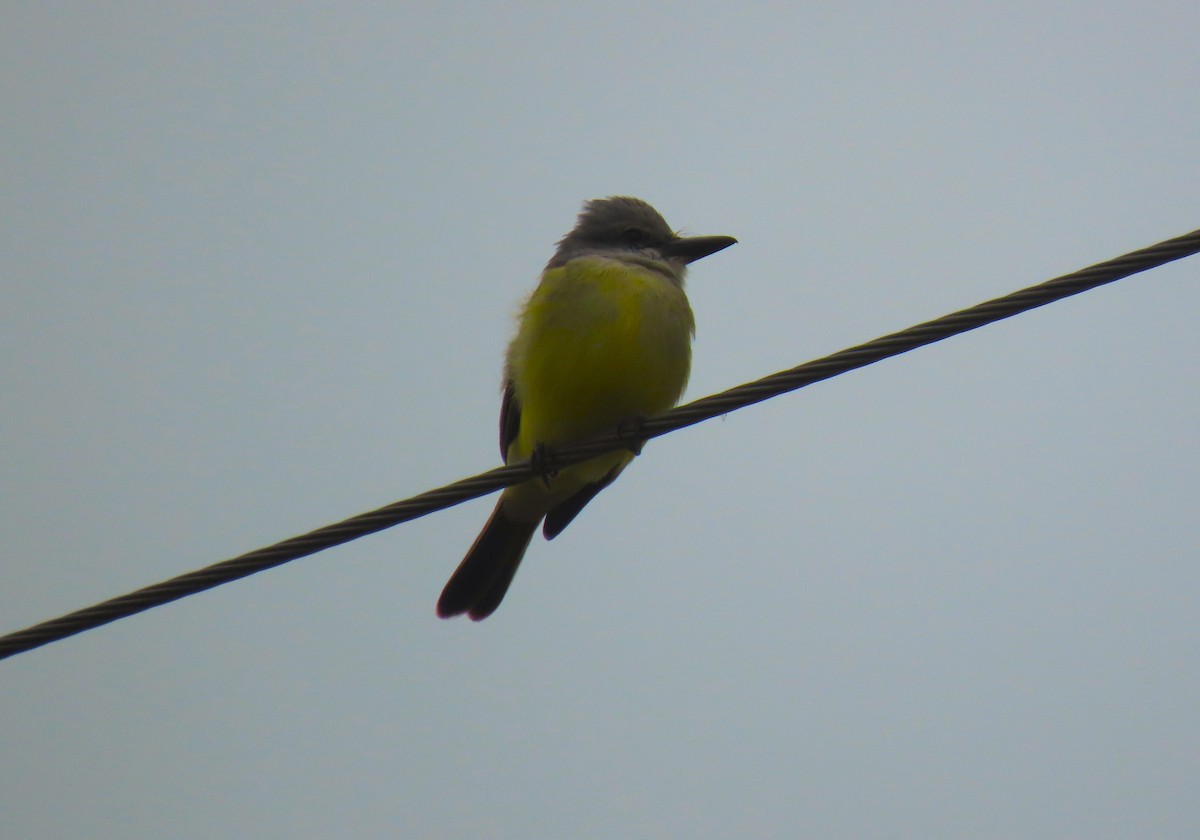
pixel 604 339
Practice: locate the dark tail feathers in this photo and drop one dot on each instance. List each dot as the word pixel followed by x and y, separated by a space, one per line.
pixel 478 584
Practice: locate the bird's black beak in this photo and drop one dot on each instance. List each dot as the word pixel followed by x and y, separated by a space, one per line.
pixel 691 248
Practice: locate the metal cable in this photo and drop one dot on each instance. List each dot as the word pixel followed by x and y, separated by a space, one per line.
pixel 686 415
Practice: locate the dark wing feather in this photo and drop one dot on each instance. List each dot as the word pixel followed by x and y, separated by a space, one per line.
pixel 560 517
pixel 510 419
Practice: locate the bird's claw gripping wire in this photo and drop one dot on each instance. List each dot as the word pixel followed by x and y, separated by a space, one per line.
pixel 631 431
pixel 544 463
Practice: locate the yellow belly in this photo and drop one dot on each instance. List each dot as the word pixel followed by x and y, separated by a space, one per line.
pixel 600 341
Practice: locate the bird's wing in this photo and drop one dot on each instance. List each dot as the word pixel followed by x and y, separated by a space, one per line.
pixel 560 517
pixel 510 418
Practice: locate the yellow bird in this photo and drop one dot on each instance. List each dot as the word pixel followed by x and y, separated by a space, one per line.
pixel 605 338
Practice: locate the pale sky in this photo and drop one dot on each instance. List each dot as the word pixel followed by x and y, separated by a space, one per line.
pixel 259 264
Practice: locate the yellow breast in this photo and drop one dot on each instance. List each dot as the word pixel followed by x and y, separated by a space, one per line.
pixel 600 341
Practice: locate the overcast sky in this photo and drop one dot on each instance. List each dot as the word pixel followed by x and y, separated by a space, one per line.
pixel 259 264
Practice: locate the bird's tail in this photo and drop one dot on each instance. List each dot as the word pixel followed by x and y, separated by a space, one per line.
pixel 478 584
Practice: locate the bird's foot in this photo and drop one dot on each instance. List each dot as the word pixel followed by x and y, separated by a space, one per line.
pixel 544 463
pixel 632 433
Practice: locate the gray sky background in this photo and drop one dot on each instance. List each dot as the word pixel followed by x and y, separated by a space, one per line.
pixel 259 265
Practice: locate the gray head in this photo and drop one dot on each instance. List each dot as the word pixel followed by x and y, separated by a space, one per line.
pixel 628 228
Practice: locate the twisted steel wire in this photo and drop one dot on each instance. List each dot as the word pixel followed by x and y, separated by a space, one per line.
pixel 702 409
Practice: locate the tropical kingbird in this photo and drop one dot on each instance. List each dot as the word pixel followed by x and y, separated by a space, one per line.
pixel 605 339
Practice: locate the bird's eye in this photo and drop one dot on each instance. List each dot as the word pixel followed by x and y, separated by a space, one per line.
pixel 636 236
